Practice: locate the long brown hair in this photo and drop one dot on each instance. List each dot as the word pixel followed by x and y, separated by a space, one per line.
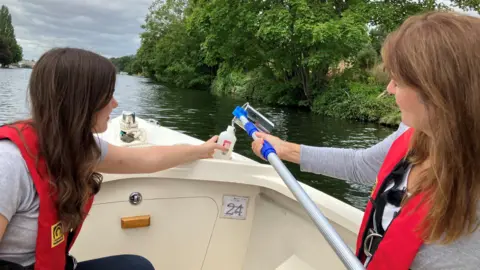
pixel 67 88
pixel 438 55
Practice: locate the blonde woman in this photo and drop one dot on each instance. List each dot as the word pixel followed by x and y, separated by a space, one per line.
pixel 423 212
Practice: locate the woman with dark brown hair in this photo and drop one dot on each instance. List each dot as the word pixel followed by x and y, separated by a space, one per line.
pixel 423 212
pixel 50 164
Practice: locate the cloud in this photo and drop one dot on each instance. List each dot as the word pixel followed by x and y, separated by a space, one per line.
pixel 449 3
pixel 110 28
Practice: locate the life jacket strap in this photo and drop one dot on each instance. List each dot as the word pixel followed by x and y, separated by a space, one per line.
pixel 6 265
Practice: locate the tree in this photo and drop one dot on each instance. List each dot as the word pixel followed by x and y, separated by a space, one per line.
pixel 170 53
pixel 277 51
pixel 10 51
pixel 292 41
pixel 468 4
pixel 128 63
pixel 5 54
pixel 17 53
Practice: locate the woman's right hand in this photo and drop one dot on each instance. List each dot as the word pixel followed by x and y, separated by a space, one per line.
pixel 280 146
pixel 207 149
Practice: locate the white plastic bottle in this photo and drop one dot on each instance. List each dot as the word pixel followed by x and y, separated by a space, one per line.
pixel 226 138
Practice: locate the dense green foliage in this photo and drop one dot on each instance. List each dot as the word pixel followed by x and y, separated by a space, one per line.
pixel 357 99
pixel 10 51
pixel 127 64
pixel 319 54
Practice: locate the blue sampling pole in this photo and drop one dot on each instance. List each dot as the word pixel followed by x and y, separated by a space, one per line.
pixel 268 152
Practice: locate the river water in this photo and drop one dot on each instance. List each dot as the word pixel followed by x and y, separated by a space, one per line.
pixel 202 115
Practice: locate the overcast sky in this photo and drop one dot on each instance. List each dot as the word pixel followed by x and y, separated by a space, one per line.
pixel 108 27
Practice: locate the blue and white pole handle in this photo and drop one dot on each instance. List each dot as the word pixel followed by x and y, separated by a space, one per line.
pixel 268 152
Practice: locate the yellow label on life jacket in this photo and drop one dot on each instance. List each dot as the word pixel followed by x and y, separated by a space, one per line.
pixel 57 234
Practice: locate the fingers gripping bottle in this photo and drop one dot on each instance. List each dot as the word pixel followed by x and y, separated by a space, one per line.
pixel 226 138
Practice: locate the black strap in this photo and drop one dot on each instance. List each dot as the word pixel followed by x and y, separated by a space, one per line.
pixel 6 265
pixel 69 265
pixel 70 261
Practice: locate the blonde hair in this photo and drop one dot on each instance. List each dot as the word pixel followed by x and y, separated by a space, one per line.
pixel 438 55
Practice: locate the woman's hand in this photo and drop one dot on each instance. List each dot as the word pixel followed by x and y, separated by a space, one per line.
pixel 285 150
pixel 277 143
pixel 207 149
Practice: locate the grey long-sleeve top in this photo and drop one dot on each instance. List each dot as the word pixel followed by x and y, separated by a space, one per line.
pixel 357 165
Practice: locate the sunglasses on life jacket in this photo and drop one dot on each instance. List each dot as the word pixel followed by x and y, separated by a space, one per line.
pixel 394 196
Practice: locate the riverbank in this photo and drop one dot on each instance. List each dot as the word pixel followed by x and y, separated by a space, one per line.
pixel 358 101
pixel 353 95
pixel 279 55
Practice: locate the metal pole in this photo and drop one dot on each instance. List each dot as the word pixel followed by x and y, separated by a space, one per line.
pixel 341 249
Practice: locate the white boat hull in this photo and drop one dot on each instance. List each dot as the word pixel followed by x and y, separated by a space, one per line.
pixel 190 226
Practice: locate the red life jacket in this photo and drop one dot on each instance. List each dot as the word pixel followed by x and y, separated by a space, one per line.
pixel 401 240
pixel 51 244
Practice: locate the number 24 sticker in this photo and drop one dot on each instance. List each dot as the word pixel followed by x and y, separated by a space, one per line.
pixel 235 207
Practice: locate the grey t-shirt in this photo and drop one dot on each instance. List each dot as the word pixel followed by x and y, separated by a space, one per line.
pixel 19 204
pixel 362 166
